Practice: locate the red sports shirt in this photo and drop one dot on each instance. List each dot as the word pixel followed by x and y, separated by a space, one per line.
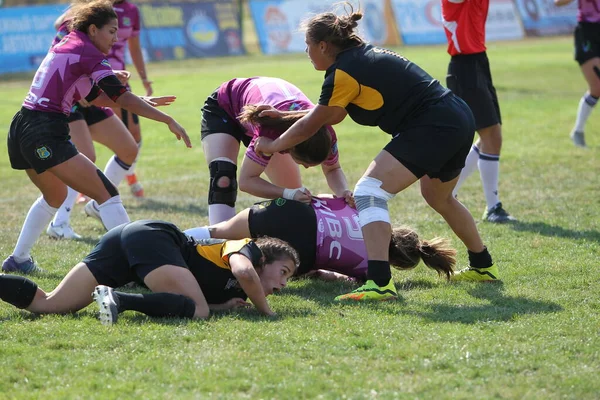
pixel 464 24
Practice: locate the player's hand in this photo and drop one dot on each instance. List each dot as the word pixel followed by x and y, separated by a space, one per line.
pixel 303 196
pixel 84 103
pixel 159 101
pixel 123 76
pixel 179 132
pixel 148 86
pixel 268 111
pixel 234 303
pixel 349 197
pixel 263 146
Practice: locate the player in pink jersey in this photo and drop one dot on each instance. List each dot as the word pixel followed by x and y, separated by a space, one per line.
pixel 328 238
pixel 38 139
pixel 587 54
pixel 230 116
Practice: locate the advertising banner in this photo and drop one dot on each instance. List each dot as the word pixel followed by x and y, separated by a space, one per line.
pixel 542 17
pixel 420 21
pixel 278 22
pixel 25 36
pixel 206 28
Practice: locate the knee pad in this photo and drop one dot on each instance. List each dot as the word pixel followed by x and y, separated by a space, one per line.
pixel 110 188
pixel 17 290
pixel 222 167
pixel 371 201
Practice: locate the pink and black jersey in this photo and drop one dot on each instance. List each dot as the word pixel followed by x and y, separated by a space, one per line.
pixel 589 11
pixel 340 245
pixel 129 26
pixel 63 30
pixel 67 75
pixel 464 24
pixel 236 93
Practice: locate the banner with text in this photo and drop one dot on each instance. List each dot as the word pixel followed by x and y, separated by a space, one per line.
pixel 25 36
pixel 206 28
pixel 420 21
pixel 278 23
pixel 543 17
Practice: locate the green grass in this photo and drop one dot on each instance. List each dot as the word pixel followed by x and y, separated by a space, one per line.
pixel 536 336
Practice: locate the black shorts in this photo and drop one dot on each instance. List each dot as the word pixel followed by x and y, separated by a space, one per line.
pixel 470 78
pixel 39 140
pixel 437 140
pixel 587 41
pixel 131 251
pixel 92 114
pixel 216 120
pixel 288 220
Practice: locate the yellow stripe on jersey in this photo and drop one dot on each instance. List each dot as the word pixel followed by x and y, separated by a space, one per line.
pixel 347 90
pixel 218 253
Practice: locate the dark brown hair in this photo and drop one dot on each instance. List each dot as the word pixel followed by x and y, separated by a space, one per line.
pixel 84 14
pixel 407 249
pixel 313 150
pixel 274 249
pixel 337 30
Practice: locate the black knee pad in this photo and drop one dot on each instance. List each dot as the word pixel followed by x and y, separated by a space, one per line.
pixel 112 190
pixel 219 195
pixel 17 290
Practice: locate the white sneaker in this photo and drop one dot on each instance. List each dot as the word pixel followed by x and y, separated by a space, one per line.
pixel 92 211
pixel 108 304
pixel 63 231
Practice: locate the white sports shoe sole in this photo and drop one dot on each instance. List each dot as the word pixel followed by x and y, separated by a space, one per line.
pixel 109 313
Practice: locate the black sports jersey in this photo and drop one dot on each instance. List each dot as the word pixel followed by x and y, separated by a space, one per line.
pixel 378 87
pixel 210 266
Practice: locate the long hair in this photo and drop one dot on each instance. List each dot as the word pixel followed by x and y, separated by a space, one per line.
pixel 84 14
pixel 274 249
pixel 313 150
pixel 407 249
pixel 337 30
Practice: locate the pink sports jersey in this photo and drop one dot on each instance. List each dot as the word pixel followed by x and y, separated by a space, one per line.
pixel 63 30
pixel 67 75
pixel 282 95
pixel 589 11
pixel 340 245
pixel 129 26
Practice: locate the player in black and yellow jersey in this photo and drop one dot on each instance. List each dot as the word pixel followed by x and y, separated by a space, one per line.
pixel 187 278
pixel 432 132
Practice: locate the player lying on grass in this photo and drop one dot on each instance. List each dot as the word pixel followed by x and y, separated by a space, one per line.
pixel 188 278
pixel 328 238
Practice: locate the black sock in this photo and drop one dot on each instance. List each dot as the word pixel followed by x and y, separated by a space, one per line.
pixel 379 272
pixel 157 304
pixel 17 290
pixel 480 260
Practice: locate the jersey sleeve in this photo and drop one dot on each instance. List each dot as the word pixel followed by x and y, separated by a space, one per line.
pixel 245 247
pixel 333 157
pixel 260 159
pixel 339 89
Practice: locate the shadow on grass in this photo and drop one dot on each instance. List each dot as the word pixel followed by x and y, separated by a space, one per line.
pixel 501 307
pixel 162 206
pixel 545 229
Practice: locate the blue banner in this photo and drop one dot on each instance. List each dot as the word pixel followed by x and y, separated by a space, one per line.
pixel 208 28
pixel 543 17
pixel 25 36
pixel 419 21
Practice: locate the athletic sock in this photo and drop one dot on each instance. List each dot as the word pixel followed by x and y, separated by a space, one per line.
pixel 379 272
pixel 470 166
pixel 39 216
pixel 480 260
pixel 113 213
pixel 586 105
pixel 63 214
pixel 17 290
pixel 489 170
pixel 157 304
pixel 198 233
pixel 219 213
pixel 116 170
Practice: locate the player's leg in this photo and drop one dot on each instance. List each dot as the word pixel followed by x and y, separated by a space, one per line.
pixel 132 123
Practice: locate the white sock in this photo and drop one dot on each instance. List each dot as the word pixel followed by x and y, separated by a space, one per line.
pixel 586 105
pixel 39 216
pixel 63 215
pixel 470 166
pixel 116 170
pixel 132 168
pixel 198 233
pixel 113 213
pixel 489 170
pixel 219 213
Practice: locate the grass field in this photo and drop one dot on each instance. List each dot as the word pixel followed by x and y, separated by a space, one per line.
pixel 536 336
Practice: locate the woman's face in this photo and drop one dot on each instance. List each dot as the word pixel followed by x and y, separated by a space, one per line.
pixel 274 276
pixel 104 38
pixel 317 53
